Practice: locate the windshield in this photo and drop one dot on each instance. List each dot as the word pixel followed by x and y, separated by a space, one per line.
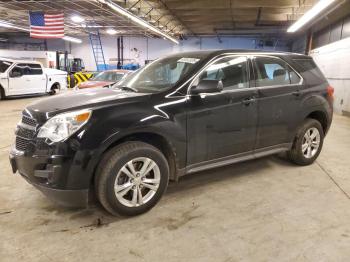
pixel 160 74
pixel 108 76
pixel 4 65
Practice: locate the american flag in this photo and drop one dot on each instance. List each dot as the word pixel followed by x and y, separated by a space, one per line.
pixel 46 25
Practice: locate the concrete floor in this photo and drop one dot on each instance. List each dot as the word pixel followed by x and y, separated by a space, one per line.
pixel 262 210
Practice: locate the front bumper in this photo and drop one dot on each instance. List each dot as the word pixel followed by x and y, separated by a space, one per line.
pixel 49 174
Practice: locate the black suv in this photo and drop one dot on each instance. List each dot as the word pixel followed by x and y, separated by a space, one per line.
pixel 178 115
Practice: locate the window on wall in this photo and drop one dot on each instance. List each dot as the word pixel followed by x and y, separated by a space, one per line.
pixel 271 71
pixel 232 71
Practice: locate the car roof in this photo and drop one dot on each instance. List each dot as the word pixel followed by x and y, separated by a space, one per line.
pixel 118 71
pixel 216 52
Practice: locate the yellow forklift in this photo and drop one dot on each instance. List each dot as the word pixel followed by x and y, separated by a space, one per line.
pixel 74 67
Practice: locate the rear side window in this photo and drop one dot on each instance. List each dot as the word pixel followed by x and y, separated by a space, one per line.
pixel 271 71
pixel 308 65
pixel 232 71
pixel 35 69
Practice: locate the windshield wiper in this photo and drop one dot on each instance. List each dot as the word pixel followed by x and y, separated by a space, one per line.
pixel 127 88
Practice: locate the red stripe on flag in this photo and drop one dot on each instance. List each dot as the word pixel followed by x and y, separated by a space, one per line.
pixel 54 19
pixel 48 32
pixel 53 24
pixel 53 15
pixel 47 27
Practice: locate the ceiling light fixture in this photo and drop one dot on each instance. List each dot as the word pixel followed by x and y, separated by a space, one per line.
pixel 9 25
pixel 65 38
pixel 111 31
pixel 309 15
pixel 77 19
pixel 72 39
pixel 137 20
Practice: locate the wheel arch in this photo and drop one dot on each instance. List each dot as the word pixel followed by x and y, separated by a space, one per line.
pixel 321 117
pixel 152 138
pixel 54 85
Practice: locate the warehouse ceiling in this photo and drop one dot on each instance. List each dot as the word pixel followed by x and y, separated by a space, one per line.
pixel 238 16
pixel 175 17
pixel 96 14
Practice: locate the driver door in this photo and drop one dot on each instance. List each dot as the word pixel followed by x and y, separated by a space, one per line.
pixel 223 124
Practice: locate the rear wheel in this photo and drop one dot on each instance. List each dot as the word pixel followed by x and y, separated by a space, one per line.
pixel 53 89
pixel 307 143
pixel 131 178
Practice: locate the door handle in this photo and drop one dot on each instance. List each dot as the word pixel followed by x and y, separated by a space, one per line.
pixel 248 101
pixel 296 93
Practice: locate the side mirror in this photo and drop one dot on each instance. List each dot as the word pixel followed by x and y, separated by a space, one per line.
pixel 207 86
pixel 15 74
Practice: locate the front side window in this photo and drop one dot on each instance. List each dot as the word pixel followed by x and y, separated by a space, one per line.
pixel 20 69
pixel 4 65
pixel 231 71
pixel 271 71
pixel 16 71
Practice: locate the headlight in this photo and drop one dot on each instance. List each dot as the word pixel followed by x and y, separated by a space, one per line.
pixel 64 125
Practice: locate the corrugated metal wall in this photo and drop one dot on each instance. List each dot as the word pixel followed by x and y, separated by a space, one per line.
pixel 334 32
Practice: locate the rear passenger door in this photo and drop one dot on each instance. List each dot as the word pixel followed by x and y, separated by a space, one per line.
pixel 37 78
pixel 279 101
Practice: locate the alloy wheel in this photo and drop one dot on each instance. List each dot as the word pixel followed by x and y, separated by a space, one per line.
pixel 311 142
pixel 137 182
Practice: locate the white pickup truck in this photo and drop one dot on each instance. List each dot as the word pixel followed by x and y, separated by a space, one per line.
pixel 19 77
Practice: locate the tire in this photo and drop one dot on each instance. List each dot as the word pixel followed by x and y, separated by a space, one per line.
pixel 53 90
pixel 300 153
pixel 109 177
pixel 2 94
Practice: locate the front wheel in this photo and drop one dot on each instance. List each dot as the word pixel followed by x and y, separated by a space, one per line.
pixel 308 143
pixel 2 94
pixel 131 178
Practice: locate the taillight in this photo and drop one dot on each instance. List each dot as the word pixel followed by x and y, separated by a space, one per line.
pixel 330 92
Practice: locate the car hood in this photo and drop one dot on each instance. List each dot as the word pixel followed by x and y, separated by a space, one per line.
pixel 75 100
pixel 91 84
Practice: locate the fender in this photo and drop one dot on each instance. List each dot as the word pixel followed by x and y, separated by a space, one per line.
pixel 146 122
pixel 317 103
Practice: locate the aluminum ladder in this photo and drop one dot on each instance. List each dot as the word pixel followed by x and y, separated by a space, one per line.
pixel 96 45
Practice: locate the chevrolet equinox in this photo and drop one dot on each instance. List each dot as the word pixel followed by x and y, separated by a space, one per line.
pixel 177 115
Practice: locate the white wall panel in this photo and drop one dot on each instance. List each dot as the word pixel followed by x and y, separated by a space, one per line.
pixel 153 48
pixel 334 62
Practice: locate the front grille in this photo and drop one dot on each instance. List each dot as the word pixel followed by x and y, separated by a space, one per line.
pixel 28 121
pixel 25 133
pixel 21 143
